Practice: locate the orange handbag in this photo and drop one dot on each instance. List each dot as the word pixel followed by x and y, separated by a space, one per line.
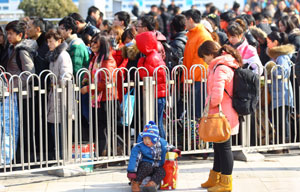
pixel 214 127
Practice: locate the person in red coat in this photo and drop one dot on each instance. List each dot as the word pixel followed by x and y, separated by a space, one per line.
pixel 102 59
pixel 147 44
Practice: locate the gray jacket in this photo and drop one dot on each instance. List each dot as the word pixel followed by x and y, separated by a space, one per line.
pixel 27 47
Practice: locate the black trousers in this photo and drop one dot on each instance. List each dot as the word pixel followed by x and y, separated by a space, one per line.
pixel 223 158
pixel 145 169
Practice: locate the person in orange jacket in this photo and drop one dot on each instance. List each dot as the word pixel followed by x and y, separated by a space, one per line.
pixel 197 34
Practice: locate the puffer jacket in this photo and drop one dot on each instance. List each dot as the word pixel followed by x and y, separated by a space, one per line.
pixel 25 49
pixel 140 152
pixel 220 78
pixel 178 43
pixel 196 37
pixel 60 63
pixel 110 65
pixel 282 55
pixel 147 44
pixel 249 56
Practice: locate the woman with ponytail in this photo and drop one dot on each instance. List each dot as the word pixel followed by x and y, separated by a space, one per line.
pixel 221 61
pixel 235 33
pixel 281 52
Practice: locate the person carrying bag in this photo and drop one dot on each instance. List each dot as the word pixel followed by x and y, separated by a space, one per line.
pixel 220 114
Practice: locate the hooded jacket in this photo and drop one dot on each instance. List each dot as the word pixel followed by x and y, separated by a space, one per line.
pixel 25 49
pixel 60 63
pixel 147 44
pixel 220 78
pixel 250 56
pixel 282 56
pixel 140 152
pixel 196 37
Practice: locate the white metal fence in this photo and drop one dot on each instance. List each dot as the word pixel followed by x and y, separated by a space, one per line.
pixel 86 132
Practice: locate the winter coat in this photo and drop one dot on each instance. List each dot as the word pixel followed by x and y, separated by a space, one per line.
pixel 121 63
pixel 250 39
pixel 140 152
pixel 281 55
pixel 178 43
pixel 131 53
pixel 90 19
pixel 250 56
pixel 24 49
pixel 160 40
pixel 40 62
pixel 265 27
pixel 222 37
pixel 262 48
pixel 110 65
pixel 78 52
pixel 4 49
pixel 221 78
pixel 147 44
pixel 60 63
pixel 196 37
pixel 88 29
pixel 294 38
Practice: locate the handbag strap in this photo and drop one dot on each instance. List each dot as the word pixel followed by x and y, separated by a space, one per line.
pixel 206 109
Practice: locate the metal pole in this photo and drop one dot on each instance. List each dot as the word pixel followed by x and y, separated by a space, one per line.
pixel 148 100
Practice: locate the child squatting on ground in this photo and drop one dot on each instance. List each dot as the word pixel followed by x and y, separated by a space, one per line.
pixel 147 159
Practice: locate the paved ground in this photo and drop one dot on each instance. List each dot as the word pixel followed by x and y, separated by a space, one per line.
pixel 277 173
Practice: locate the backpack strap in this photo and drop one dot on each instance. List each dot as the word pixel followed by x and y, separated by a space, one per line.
pixel 224 88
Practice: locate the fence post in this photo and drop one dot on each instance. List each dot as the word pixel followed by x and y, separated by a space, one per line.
pixel 148 100
pixel 70 107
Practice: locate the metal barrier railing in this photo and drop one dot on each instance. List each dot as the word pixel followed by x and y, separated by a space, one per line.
pixel 53 125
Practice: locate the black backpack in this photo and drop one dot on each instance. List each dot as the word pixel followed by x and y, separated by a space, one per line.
pixel 245 90
pixel 172 58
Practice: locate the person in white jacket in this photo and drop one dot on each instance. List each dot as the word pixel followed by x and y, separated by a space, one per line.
pixel 61 66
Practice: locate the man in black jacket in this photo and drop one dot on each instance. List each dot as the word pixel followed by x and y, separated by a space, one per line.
pixel 85 31
pixel 94 16
pixel 36 31
pixel 179 39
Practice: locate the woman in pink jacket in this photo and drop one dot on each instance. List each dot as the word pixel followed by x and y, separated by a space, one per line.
pixel 221 60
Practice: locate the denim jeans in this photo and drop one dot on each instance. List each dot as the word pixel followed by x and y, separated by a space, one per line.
pixel 161 102
pixel 9 130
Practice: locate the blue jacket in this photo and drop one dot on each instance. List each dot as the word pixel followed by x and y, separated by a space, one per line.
pixel 140 152
pixel 281 55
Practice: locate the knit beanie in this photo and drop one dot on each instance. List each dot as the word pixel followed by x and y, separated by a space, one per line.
pixel 151 130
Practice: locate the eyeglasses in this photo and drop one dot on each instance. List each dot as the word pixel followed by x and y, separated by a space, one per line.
pixel 62 28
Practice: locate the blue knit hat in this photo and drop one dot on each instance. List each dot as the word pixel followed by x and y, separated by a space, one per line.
pixel 151 130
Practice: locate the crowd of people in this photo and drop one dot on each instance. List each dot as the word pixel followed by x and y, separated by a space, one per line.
pixel 247 38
